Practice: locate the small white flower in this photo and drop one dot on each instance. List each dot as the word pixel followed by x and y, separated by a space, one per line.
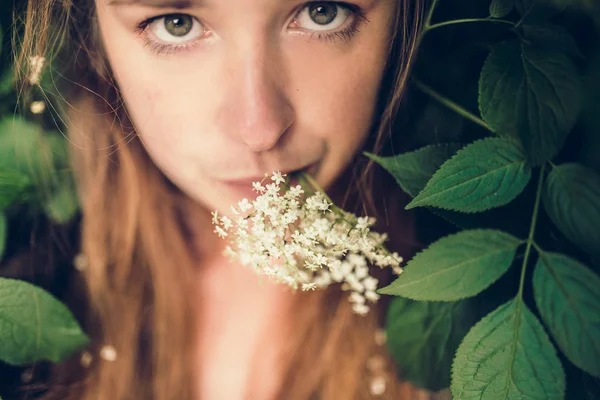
pixel 108 353
pixel 360 309
pixel 258 187
pixel 215 217
pixel 86 359
pixel 278 177
pixel 306 243
pixel 226 222
pixel 221 232
pixel 37 107
pixel 80 262
pixel 244 205
pixel 36 66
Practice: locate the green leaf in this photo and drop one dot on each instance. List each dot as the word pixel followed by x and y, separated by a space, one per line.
pixel 412 170
pixel 486 174
pixel 6 82
pixel 540 9
pixel 507 355
pixel 568 296
pixel 551 37
pixel 456 266
pixel 23 148
pixel 423 336
pixel 530 93
pixel 3 234
pixel 501 8
pixel 63 204
pixel 14 187
pixel 571 198
pixel 35 326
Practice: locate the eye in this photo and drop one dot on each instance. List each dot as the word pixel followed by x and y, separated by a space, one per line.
pixel 323 16
pixel 176 28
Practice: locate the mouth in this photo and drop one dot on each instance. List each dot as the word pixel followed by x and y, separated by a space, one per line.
pixel 243 186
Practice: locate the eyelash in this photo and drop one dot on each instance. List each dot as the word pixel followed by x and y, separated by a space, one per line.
pixel 345 35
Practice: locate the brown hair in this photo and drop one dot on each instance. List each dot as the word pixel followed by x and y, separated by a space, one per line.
pixel 138 283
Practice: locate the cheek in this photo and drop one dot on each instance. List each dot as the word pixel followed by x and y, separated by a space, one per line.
pixel 339 96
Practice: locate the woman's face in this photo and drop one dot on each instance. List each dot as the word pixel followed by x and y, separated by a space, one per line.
pixel 223 91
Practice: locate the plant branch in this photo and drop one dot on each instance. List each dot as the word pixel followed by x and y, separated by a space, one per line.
pixel 530 241
pixel 429 16
pixel 451 105
pixel 467 20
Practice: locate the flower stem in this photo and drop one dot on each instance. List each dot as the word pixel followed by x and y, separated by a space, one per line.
pixel 467 20
pixel 530 241
pixel 450 104
pixel 430 16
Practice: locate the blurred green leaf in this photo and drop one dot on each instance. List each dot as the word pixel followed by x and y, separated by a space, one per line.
pixel 423 336
pixel 550 36
pixel 14 188
pixel 567 294
pixel 571 198
pixel 35 326
pixel 6 82
pixel 501 8
pixel 530 93
pixel 3 234
pixel 64 203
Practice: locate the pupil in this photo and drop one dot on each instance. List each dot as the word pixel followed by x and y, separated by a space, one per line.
pixel 323 13
pixel 178 25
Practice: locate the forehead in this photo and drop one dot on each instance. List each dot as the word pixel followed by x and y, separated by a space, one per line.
pixel 176 4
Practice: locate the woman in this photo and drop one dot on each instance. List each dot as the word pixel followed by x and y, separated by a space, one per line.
pixel 173 108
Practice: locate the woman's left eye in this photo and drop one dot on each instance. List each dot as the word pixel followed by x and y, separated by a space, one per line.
pixel 329 20
pixel 169 33
pixel 323 16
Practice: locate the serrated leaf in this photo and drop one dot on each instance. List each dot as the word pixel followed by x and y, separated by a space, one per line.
pixel 412 170
pixel 568 296
pixel 3 234
pixel 456 266
pixel 507 355
pixel 501 8
pixel 532 94
pixel 486 174
pixel 571 199
pixel 551 37
pixel 423 336
pixel 35 326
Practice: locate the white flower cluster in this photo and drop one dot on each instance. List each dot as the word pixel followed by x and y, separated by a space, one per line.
pixel 306 243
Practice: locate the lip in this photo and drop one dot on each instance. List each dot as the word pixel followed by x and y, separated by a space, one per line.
pixel 310 169
pixel 243 187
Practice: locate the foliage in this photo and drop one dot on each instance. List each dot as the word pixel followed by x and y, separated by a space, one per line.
pixel 523 90
pixel 505 301
pixel 36 188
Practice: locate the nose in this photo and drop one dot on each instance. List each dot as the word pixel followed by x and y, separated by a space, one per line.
pixel 254 109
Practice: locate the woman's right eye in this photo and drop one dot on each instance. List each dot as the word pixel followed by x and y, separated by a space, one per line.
pixel 175 29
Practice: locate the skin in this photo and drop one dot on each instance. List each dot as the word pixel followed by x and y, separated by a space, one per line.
pixel 254 95
pixel 257 91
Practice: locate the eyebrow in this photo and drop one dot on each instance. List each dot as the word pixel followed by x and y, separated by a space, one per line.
pixel 177 4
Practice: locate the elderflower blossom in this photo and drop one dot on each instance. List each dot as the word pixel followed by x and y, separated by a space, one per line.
pixel 36 66
pixel 306 243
